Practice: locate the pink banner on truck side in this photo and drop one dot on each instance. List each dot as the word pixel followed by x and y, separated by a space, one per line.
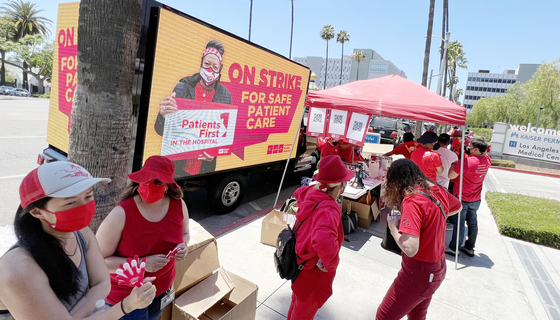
pixel 67 69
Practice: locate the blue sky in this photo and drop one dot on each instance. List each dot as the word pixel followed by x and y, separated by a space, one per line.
pixel 496 34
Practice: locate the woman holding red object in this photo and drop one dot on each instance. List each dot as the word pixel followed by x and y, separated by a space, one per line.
pixel 421 236
pixel 319 238
pixel 151 221
pixel 55 270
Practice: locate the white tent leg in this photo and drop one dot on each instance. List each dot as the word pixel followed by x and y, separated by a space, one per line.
pixel 462 155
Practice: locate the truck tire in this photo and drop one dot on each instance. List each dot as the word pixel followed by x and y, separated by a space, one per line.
pixel 227 193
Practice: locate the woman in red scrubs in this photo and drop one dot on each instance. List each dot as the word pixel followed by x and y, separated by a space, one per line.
pixel 421 236
pixel 319 238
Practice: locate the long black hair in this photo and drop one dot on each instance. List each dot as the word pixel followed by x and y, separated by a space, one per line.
pixel 47 251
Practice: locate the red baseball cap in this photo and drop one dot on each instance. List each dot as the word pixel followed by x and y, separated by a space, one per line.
pixel 58 179
pixel 333 170
pixel 155 167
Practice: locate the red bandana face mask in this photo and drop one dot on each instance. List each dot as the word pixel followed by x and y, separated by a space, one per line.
pixel 150 192
pixel 74 219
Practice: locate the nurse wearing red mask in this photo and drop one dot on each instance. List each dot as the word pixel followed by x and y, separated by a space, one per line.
pixel 55 270
pixel 151 221
pixel 201 86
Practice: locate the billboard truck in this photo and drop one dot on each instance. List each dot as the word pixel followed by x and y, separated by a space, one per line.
pixel 218 106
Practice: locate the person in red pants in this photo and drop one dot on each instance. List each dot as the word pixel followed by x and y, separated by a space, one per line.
pixel 319 238
pixel 421 237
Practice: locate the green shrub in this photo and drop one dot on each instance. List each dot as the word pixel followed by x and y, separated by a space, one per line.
pixel 503 163
pixel 483 132
pixel 526 218
pixel 45 95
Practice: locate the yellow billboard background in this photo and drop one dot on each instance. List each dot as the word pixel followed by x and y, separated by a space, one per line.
pixel 179 48
pixel 57 129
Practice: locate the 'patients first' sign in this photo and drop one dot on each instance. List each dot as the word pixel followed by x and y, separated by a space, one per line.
pixel 524 142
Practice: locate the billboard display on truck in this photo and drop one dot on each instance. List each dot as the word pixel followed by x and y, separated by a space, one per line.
pixel 218 102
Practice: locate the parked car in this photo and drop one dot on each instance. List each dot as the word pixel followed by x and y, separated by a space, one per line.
pixel 390 129
pixel 21 93
pixel 5 89
pixel 9 91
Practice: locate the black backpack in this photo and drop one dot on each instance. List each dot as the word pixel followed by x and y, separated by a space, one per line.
pixel 349 222
pixel 285 257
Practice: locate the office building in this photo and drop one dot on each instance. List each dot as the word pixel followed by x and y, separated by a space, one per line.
pixel 483 84
pixel 373 67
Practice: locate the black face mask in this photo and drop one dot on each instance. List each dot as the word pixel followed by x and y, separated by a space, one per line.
pixel 334 143
pixel 436 146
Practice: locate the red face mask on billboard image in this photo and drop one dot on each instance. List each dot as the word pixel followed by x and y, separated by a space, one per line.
pixel 150 192
pixel 74 219
pixel 209 76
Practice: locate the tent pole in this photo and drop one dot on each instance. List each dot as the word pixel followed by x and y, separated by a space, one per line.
pixel 289 156
pixel 458 225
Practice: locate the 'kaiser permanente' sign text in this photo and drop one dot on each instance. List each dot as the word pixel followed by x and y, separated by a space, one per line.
pixel 524 142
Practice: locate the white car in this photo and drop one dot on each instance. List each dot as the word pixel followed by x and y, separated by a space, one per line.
pixel 21 93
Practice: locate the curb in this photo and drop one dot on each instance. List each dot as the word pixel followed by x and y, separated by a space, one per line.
pixel 246 220
pixel 551 175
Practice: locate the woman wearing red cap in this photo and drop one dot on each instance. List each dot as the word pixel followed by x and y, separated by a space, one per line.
pixel 151 221
pixel 421 237
pixel 319 238
pixel 55 270
pixel 202 86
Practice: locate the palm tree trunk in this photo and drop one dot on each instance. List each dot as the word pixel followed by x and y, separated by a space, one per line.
pixel 292 30
pixel 251 19
pixel 418 132
pixel 3 68
pixel 24 82
pixel 444 29
pixel 326 66
pixel 358 71
pixel 451 81
pixel 341 63
pixel 100 133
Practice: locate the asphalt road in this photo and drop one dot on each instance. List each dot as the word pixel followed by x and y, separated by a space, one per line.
pixel 23 129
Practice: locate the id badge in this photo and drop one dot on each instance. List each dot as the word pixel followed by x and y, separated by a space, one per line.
pixel 167 299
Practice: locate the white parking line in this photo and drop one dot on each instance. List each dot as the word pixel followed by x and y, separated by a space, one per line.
pixel 22 137
pixel 553 180
pixel 254 205
pixel 9 177
pixel 496 182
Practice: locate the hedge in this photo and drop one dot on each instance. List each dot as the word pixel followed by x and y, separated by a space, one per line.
pixel 503 163
pixel 526 218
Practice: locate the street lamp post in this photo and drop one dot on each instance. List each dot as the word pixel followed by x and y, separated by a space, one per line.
pixel 443 64
pixel 539 116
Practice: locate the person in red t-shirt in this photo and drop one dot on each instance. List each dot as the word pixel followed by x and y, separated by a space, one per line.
pixel 406 148
pixel 421 237
pixel 346 151
pixel 151 221
pixel 428 161
pixel 475 168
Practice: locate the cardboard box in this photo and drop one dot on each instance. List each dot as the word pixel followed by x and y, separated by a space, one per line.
pixel 222 296
pixel 201 261
pixel 273 224
pixel 366 213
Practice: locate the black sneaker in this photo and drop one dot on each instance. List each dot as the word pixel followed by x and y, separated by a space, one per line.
pixel 468 252
pixel 450 251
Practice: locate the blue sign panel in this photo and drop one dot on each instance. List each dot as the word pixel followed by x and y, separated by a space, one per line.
pixel 373 138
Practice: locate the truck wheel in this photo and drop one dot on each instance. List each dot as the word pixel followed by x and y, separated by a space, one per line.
pixel 227 194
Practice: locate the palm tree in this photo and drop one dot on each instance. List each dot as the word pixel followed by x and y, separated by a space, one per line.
pixel 444 29
pixel 455 58
pixel 327 33
pixel 28 22
pixel 342 37
pixel 419 126
pixel 358 56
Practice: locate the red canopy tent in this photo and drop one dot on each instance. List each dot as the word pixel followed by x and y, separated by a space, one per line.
pixel 391 96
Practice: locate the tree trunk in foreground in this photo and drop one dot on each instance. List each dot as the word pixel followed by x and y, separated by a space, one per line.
pixel 100 132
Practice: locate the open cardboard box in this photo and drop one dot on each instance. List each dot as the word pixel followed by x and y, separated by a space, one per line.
pixel 273 224
pixel 201 261
pixel 366 213
pixel 221 296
